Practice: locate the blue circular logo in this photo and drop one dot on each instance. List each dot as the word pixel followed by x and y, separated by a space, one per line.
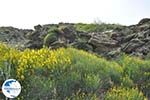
pixel 11 88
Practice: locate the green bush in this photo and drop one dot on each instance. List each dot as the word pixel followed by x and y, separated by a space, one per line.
pixel 85 27
pixel 95 27
pixel 131 66
pixel 144 78
pixel 86 73
pixel 120 93
pixel 138 71
pixel 50 38
pixel 83 96
pixel 40 87
pixel 127 82
pixel 88 64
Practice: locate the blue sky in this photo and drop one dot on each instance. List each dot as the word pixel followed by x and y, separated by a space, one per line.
pixel 27 13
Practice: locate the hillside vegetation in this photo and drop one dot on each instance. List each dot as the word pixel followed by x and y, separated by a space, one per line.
pixel 71 74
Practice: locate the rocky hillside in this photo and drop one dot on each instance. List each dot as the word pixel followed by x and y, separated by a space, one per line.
pixel 105 39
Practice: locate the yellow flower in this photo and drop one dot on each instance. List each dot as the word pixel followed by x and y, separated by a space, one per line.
pixel 22 77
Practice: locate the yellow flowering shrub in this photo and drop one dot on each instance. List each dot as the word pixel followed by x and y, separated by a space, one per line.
pixel 43 58
pixel 8 60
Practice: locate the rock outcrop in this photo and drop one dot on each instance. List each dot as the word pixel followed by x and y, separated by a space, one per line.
pixel 134 39
pixel 13 36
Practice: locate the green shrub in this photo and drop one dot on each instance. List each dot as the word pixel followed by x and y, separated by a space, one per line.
pixel 83 96
pixel 127 82
pixel 144 78
pixel 138 71
pixel 50 38
pixel 131 66
pixel 85 27
pixel 88 64
pixel 92 83
pixel 120 93
pixel 40 87
pixel 95 27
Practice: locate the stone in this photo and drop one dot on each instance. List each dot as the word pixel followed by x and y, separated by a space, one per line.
pixel 133 39
pixel 83 46
pixel 99 40
pixel 58 44
pixel 132 46
pixel 68 33
pixel 143 21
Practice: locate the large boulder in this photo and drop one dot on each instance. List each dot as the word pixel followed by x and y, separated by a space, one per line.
pixel 57 44
pixel 144 21
pixel 131 46
pixel 82 45
pixel 102 42
pixel 68 33
pixel 36 37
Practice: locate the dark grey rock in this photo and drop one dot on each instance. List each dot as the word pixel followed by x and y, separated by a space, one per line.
pixel 134 39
